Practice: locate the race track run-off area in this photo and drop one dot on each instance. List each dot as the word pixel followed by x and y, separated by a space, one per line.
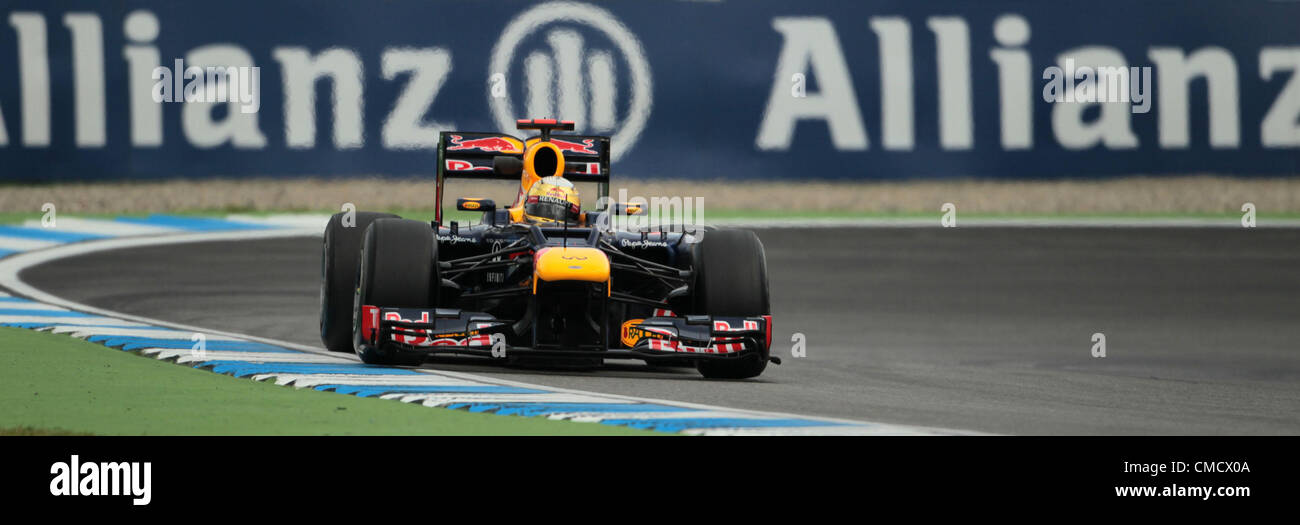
pixel 903 328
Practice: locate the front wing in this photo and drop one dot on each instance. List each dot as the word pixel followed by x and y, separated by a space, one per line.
pixel 458 332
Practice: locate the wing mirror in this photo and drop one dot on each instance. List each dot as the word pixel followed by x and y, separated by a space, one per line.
pixel 623 208
pixel 473 204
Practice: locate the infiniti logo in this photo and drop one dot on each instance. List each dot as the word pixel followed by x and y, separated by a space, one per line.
pixel 570 78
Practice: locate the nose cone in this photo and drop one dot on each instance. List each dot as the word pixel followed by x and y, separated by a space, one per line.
pixel 571 264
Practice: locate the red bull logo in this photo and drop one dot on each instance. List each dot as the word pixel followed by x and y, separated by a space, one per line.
pixel 409 339
pixel 584 148
pixel 497 144
pixel 723 326
pixel 463 165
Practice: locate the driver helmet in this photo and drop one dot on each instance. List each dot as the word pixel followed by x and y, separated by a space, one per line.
pixel 552 200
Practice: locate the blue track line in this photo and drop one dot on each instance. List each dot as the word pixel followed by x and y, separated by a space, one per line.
pixel 43 313
pixel 194 224
pixel 379 390
pixel 47 234
pixel 127 342
pixel 542 409
pixel 680 424
pixel 244 368
pixel 33 326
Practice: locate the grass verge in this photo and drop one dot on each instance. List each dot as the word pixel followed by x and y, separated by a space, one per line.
pixel 55 384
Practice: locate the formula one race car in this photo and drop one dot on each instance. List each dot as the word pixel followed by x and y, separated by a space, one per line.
pixel 542 279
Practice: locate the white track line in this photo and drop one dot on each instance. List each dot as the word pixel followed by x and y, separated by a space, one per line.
pixel 187 355
pixel 83 332
pixel 11 267
pixel 441 400
pixel 31 305
pixel 315 223
pixel 50 321
pixel 108 228
pixel 22 244
pixel 362 380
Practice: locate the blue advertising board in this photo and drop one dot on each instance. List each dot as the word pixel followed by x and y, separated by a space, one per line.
pixel 687 89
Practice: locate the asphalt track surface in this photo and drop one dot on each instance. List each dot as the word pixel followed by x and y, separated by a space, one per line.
pixel 986 329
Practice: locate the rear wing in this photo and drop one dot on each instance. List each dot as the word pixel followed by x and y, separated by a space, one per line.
pixel 471 154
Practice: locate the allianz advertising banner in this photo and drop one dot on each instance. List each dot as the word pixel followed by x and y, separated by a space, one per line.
pixel 810 89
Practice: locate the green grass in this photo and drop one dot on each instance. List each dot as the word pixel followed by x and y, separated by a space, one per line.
pixel 55 384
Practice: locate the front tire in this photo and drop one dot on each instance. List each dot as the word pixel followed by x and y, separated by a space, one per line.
pixel 340 249
pixel 731 281
pixel 399 269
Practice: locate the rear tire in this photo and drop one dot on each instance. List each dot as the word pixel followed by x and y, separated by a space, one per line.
pixel 399 269
pixel 340 250
pixel 731 281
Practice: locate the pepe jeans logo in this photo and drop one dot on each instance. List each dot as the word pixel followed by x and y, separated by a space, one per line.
pixel 568 73
pixel 642 243
pixel 456 239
